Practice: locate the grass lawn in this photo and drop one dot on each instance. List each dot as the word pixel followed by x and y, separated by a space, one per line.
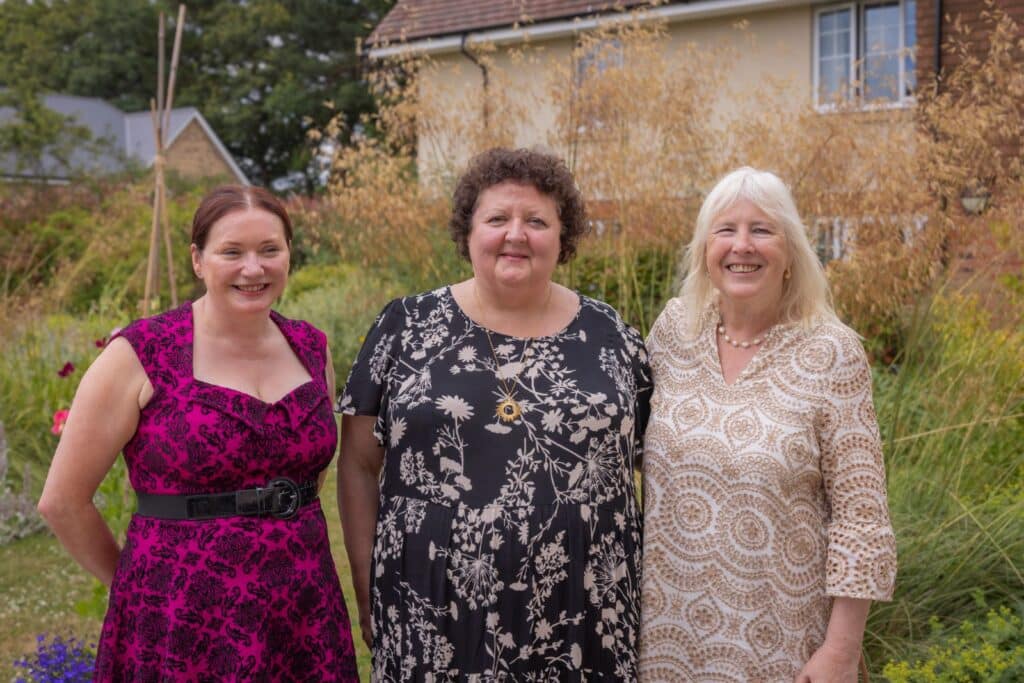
pixel 40 584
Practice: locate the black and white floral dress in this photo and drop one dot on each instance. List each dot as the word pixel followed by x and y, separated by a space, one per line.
pixel 504 551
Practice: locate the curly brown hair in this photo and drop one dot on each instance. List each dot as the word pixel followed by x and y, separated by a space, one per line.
pixel 546 172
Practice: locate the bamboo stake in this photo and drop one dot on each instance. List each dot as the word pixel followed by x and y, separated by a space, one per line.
pixel 165 227
pixel 168 105
pixel 153 239
pixel 161 48
pixel 174 66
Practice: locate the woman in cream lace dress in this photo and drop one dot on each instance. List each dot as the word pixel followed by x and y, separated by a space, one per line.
pixel 767 531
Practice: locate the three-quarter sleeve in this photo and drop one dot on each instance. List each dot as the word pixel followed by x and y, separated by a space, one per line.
pixel 861 560
pixel 366 390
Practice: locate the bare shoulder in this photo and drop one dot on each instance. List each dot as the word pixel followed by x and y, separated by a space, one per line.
pixel 118 369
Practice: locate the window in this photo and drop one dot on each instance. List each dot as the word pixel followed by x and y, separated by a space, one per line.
pixel 864 52
pixel 597 57
pixel 596 62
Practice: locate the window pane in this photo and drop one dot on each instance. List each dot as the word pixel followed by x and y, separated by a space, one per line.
pixel 827 47
pixel 843 20
pixel 909 46
pixel 834 58
pixel 834 80
pixel 882 53
pixel 882 73
pixel 827 22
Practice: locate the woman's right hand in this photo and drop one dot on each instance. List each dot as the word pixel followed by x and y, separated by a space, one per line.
pixel 103 417
pixel 365 625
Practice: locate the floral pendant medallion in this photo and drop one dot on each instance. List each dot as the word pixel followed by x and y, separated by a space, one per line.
pixel 508 409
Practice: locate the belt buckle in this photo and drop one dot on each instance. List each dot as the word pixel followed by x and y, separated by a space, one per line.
pixel 287 499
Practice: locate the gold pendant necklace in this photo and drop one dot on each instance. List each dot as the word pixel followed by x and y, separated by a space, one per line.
pixel 508 408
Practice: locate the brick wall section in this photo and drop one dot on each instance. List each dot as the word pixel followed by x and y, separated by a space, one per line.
pixel 970 12
pixel 193 154
pixel 978 263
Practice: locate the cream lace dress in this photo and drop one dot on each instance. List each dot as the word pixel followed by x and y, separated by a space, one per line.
pixel 763 500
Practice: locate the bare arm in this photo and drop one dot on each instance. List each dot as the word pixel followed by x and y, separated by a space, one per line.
pixel 836 660
pixel 103 417
pixel 359 465
pixel 329 375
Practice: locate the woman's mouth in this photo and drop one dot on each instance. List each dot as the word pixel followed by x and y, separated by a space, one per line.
pixel 251 289
pixel 742 268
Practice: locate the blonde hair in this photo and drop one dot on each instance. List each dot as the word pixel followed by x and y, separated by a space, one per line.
pixel 805 294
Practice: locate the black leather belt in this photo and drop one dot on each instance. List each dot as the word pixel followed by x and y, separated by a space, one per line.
pixel 281 498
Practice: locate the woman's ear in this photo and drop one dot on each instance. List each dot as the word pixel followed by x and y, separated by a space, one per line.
pixel 196 260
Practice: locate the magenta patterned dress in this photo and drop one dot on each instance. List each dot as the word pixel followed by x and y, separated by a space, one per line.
pixel 234 598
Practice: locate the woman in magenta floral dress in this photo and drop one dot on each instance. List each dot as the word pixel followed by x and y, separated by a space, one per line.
pixel 222 410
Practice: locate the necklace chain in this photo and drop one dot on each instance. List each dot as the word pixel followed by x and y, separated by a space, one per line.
pixel 508 409
pixel 736 343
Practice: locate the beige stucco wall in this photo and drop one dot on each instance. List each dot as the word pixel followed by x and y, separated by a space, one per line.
pixel 193 154
pixel 771 46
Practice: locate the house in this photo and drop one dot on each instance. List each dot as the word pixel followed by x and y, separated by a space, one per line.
pixel 119 140
pixel 817 47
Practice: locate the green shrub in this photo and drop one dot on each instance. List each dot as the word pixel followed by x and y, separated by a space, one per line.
pixel 32 386
pixel 342 301
pixel 985 651
pixel 951 412
pixel 636 284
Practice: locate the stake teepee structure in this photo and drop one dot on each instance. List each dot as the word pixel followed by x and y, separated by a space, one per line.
pixel 160 111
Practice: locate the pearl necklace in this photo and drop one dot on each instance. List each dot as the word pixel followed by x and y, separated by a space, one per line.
pixel 756 341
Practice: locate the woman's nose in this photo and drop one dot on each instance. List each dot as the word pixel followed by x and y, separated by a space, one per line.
pixel 741 240
pixel 516 230
pixel 252 264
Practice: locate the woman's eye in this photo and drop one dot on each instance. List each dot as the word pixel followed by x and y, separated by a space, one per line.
pixel 539 222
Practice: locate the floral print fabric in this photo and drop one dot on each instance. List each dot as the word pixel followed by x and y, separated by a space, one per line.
pixel 764 499
pixel 236 598
pixel 504 551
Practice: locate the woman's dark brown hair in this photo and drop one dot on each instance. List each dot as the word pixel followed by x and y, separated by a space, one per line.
pixel 546 172
pixel 230 198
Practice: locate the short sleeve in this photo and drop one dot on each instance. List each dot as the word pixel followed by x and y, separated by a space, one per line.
pixel 861 561
pixel 366 390
pixel 644 387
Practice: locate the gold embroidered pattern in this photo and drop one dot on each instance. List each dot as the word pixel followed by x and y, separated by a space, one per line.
pixel 763 500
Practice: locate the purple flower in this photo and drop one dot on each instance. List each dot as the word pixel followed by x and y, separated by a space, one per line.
pixel 66 370
pixel 58 660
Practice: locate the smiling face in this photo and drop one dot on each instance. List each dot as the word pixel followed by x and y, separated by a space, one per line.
pixel 244 263
pixel 515 236
pixel 746 256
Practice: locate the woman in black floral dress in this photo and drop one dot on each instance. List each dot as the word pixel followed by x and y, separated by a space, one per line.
pixel 489 437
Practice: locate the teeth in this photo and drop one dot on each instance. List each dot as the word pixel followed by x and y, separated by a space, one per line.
pixel 742 268
pixel 250 288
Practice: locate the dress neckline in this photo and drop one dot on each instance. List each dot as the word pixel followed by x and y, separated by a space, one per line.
pixel 277 319
pixel 709 334
pixel 447 290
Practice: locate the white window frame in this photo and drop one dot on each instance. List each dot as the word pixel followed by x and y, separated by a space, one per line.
pixel 857 56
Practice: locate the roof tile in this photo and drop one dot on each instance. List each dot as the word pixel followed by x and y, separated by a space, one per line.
pixel 418 19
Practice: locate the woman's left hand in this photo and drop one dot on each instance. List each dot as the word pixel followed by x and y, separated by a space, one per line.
pixel 836 660
pixel 830 664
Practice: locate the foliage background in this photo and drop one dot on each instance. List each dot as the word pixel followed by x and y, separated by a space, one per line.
pixel 947 344
pixel 262 72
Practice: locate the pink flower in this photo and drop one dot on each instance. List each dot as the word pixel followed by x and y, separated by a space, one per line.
pixel 66 370
pixel 59 418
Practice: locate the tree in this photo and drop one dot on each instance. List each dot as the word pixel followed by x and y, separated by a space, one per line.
pixel 259 70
